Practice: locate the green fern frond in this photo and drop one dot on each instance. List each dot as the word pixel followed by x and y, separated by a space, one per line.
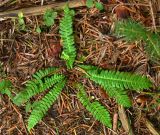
pixel 37 85
pixel 120 95
pixel 66 33
pixel 44 104
pixel 5 88
pixel 133 31
pixel 44 72
pixel 130 29
pixel 4 84
pixel 116 79
pixel 98 111
pixel 153 47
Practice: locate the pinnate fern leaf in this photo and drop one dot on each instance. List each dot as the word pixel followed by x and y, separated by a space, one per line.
pixel 66 33
pixel 116 79
pixel 37 85
pixel 42 106
pixel 98 111
pixel 120 96
pixel 5 88
pixel 133 31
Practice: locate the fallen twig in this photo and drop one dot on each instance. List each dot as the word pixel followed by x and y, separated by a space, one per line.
pixel 124 120
pixel 40 9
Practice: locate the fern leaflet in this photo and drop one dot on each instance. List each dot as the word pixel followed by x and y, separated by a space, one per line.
pixel 95 108
pixel 66 33
pixel 42 106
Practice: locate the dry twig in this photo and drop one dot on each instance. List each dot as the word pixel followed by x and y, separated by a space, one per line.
pixel 40 9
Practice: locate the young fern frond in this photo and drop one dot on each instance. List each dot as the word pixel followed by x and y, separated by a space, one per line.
pixel 98 111
pixel 66 33
pixel 37 85
pixel 42 106
pixel 116 79
pixel 133 31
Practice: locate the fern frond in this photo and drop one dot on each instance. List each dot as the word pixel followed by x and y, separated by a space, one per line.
pixel 98 111
pixel 4 84
pixel 44 104
pixel 33 88
pixel 152 47
pixel 66 33
pixel 116 79
pixel 44 72
pixel 5 88
pixel 130 29
pixel 133 31
pixel 120 95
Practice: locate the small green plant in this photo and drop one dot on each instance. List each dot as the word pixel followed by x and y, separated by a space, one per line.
pixel 21 22
pixel 94 3
pixel 51 82
pixel 133 31
pixel 49 17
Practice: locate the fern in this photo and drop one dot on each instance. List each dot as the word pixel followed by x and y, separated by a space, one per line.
pixel 42 106
pixel 95 108
pixel 133 31
pixel 38 85
pixel 66 33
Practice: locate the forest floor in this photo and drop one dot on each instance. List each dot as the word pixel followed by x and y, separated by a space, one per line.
pixel 22 53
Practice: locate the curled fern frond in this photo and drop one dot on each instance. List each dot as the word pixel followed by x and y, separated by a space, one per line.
pixel 37 85
pixel 66 33
pixel 98 111
pixel 133 31
pixel 42 106
pixel 116 79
